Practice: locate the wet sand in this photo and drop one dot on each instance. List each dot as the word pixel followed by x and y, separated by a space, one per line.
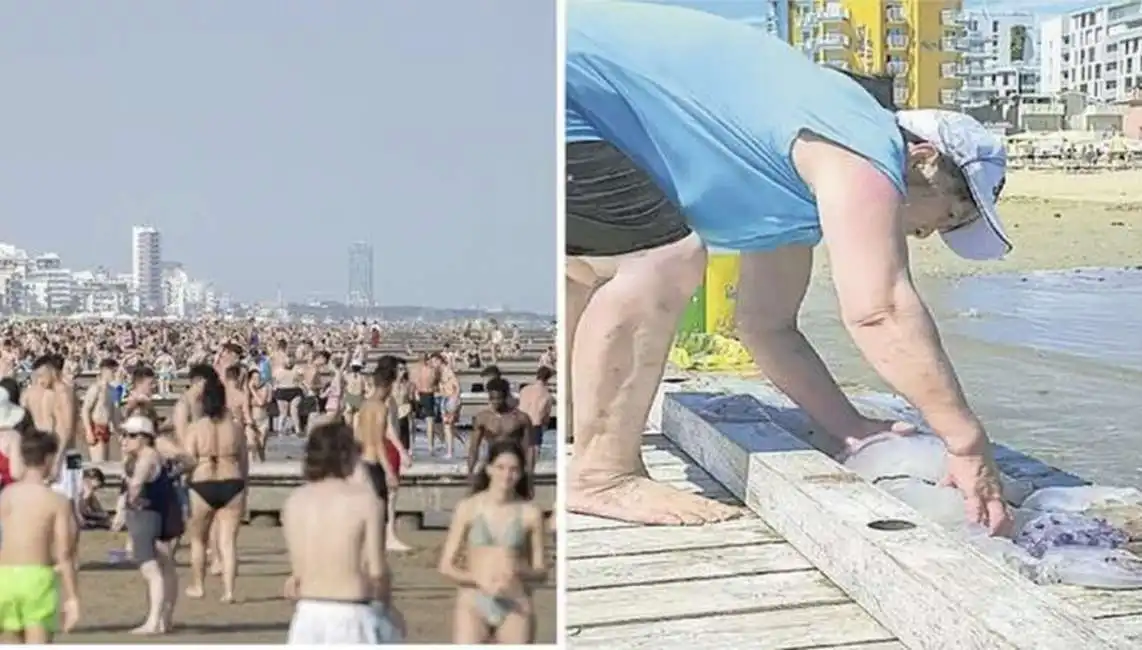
pixel 113 599
pixel 1057 221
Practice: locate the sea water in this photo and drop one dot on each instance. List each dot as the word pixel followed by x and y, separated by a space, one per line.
pixel 1051 361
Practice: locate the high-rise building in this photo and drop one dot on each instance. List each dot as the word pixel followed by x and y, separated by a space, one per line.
pixel 917 42
pixel 1002 56
pixel 146 270
pixel 360 274
pixel 1096 51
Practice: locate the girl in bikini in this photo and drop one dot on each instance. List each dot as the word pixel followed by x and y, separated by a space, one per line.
pixel 502 534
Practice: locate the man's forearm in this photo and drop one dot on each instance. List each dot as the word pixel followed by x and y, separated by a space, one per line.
pixel 791 363
pixel 904 347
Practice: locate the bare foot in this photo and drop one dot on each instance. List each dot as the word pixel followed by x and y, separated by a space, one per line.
pixel 148 629
pixel 194 592
pixel 639 500
pixel 215 569
pixel 227 599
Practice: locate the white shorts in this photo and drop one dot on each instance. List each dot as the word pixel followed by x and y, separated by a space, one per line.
pixel 329 622
pixel 69 483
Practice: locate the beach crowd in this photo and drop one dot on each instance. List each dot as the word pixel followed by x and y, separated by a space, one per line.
pixel 189 408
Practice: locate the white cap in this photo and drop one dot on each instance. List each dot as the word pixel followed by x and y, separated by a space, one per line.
pixel 139 424
pixel 981 157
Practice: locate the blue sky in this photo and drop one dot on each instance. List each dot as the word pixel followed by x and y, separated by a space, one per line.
pixel 1042 7
pixel 263 136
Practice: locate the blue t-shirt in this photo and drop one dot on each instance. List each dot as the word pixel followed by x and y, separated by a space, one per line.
pixel 710 108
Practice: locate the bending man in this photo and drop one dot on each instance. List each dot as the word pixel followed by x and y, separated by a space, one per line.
pixel 686 130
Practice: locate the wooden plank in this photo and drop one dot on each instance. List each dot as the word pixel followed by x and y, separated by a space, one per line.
pixel 1100 603
pixel 929 589
pixel 1128 627
pixel 831 626
pixel 652 568
pixel 658 539
pixel 647 603
pixel 576 522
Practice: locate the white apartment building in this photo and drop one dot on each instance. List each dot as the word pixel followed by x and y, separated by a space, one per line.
pixel 1096 51
pixel 146 270
pixel 1002 56
pixel 176 283
pixel 99 293
pixel 48 287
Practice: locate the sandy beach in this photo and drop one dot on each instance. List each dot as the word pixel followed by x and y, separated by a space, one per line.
pixel 1057 221
pixel 113 600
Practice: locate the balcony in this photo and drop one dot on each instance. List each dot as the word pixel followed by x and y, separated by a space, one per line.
pixel 897 41
pixel 896 68
pixel 953 18
pixel 831 41
pixel 900 95
pixel 895 15
pixel 953 45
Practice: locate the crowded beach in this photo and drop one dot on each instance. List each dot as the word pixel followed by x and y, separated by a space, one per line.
pixel 192 453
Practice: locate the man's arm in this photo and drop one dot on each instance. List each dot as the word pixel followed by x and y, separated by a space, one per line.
pixel 474 442
pixel 771 286
pixel 88 408
pixel 881 309
pixel 65 417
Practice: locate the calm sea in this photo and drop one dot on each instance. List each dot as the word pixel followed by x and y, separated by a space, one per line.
pixel 1052 361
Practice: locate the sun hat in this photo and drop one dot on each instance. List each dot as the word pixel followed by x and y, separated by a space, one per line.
pixel 11 415
pixel 981 157
pixel 139 424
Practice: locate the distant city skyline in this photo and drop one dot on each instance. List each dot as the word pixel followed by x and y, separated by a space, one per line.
pixel 260 141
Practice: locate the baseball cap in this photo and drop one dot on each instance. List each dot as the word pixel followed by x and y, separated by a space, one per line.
pixel 981 157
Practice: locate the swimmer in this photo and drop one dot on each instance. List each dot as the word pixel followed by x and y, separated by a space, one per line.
pixel 536 400
pixel 52 405
pixel 258 396
pixel 217 484
pixel 502 535
pixel 99 412
pixel 774 155
pixel 153 518
pixel 335 536
pixel 39 540
pixel 426 379
pixel 449 403
pixel 500 422
pixel 353 390
pixel 382 455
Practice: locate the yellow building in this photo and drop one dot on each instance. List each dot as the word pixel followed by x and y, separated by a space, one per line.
pixel 919 42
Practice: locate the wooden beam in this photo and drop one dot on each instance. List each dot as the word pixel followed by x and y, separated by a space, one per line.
pixel 926 587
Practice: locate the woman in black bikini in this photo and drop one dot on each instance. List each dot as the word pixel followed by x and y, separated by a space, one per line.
pixel 217 484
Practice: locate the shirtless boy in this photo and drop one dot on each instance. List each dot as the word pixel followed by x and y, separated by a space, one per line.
pixel 335 535
pixel 500 421
pixel 52 404
pixel 449 402
pixel 39 538
pixel 536 400
pixel 381 452
pixel 426 378
pixel 354 392
pixel 99 413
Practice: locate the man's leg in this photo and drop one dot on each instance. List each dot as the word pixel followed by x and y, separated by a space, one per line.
pixel 619 354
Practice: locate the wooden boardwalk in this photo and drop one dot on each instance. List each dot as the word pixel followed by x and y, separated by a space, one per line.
pixel 742 584
pixel 731 585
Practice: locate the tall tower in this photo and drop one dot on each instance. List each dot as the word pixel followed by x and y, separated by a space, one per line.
pixel 146 269
pixel 360 274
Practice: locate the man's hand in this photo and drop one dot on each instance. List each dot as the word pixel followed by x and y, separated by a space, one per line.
pixel 977 477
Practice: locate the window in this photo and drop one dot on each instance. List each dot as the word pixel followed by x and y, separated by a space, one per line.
pixel 948 96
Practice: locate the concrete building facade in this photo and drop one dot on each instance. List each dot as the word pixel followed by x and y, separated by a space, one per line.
pixel 146 270
pixel 918 42
pixel 1096 51
pixel 1001 58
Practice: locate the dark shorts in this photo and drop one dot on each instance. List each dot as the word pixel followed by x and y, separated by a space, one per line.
pixel 613 206
pixel 536 437
pixel 426 407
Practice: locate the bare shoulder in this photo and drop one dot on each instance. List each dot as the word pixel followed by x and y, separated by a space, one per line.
pixel 532 514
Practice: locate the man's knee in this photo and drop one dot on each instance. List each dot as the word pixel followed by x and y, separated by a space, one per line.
pixel 680 266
